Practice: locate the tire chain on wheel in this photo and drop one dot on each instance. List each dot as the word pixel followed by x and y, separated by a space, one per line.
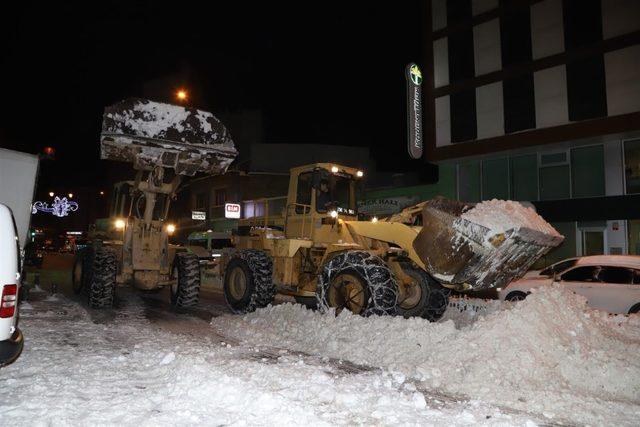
pixel 188 280
pixel 261 267
pixel 103 278
pixel 383 290
pixel 438 298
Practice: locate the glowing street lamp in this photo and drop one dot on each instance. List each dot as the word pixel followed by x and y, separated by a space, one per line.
pixel 182 95
pixel 51 193
pixel 102 193
pixel 119 224
pixel 70 195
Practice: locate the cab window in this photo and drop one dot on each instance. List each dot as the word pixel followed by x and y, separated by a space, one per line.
pixel 303 192
pixel 582 274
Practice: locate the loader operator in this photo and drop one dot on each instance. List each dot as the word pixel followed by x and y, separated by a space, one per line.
pixel 323 200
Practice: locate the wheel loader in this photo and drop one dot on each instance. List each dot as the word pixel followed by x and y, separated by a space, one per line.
pixel 317 251
pixel 164 143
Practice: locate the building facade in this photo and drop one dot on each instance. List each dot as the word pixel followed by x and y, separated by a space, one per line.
pixel 540 101
pixel 262 171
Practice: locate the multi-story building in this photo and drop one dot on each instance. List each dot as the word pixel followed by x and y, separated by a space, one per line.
pixel 539 100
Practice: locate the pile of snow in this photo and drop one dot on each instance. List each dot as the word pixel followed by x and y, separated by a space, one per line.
pixel 129 371
pixel 503 215
pixel 549 354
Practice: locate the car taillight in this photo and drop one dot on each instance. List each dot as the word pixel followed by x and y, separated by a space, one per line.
pixel 8 301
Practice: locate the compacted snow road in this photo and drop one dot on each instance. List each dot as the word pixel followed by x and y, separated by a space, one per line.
pixel 144 364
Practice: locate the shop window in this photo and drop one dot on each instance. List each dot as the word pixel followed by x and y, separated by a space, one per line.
pixel 633 230
pixel 469 182
pixel 587 171
pixel 495 179
pixel 554 183
pixel 524 178
pixel 632 166
pixel 567 248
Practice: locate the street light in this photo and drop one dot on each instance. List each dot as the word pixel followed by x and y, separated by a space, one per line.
pixel 182 95
pixel 70 195
pixel 102 193
pixel 51 193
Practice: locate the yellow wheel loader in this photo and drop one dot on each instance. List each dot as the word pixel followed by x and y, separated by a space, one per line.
pixel 316 250
pixel 164 143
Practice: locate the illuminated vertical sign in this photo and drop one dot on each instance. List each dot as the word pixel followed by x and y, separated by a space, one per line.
pixel 413 76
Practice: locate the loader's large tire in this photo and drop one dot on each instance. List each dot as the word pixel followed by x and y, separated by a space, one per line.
pixel 358 281
pixel 82 271
pixel 430 300
pixel 186 271
pixel 102 288
pixel 248 281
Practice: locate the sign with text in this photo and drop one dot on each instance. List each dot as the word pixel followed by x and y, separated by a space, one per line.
pixel 232 210
pixel 414 110
pixel 198 215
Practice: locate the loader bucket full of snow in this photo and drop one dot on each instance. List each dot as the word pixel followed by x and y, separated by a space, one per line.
pixel 150 134
pixel 484 245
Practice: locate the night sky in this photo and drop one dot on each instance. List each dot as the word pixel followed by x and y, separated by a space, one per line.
pixel 321 72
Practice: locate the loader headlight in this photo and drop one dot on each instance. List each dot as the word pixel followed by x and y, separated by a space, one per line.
pixel 171 228
pixel 359 174
pixel 374 219
pixel 334 169
pixel 333 214
pixel 119 223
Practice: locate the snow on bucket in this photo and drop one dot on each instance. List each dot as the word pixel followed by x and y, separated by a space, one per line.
pixel 482 246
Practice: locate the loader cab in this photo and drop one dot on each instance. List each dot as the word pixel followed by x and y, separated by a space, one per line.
pixel 125 203
pixel 320 195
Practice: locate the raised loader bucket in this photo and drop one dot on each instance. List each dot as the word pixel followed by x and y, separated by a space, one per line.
pixel 481 246
pixel 150 134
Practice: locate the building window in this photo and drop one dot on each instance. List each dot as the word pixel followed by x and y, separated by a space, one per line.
pixel 632 166
pixel 587 171
pixel 495 179
pixel 201 201
pixel 469 182
pixel 524 177
pixel 555 176
pixel 220 196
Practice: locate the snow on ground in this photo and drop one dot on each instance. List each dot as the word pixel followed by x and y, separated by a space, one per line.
pixel 549 354
pixel 82 370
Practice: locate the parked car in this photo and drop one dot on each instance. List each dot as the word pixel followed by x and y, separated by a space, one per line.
pixel 608 282
pixel 11 340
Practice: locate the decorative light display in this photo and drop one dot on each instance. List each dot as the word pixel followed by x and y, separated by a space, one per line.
pixel 59 207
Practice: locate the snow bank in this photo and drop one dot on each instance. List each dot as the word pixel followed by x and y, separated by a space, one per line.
pixel 129 371
pixel 503 215
pixel 549 354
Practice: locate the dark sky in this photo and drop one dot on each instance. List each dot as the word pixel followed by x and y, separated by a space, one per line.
pixel 327 72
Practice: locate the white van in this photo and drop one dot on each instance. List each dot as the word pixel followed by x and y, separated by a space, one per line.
pixel 11 340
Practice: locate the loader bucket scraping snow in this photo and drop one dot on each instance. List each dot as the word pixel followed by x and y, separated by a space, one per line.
pixel 472 247
pixel 150 134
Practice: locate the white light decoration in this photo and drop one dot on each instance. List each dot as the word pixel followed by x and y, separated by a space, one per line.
pixel 59 207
